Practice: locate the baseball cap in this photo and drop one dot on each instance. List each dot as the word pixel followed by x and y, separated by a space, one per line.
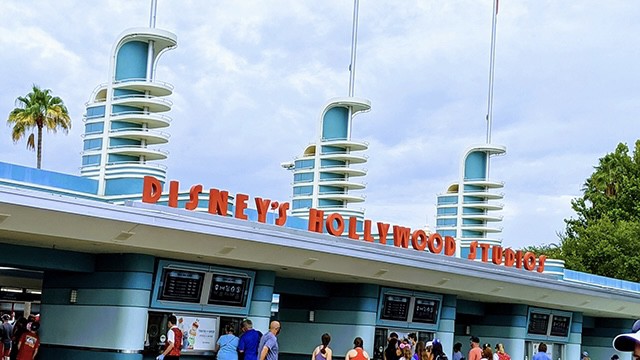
pixel 627 341
pixel 429 343
pixel 584 353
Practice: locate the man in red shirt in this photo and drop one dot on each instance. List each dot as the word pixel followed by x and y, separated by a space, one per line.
pixel 29 343
pixel 475 353
pixel 174 341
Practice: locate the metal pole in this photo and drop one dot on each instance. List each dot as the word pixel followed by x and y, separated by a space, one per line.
pixel 491 70
pixel 354 44
pixel 152 16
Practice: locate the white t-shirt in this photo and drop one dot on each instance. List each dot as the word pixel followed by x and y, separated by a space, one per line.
pixel 171 335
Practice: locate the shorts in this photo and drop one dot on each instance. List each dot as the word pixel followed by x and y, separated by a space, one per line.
pixel 6 351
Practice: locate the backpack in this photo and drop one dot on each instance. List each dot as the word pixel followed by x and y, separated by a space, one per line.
pixel 442 357
pixel 504 356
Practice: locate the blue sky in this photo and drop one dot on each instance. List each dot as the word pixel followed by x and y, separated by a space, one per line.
pixel 251 78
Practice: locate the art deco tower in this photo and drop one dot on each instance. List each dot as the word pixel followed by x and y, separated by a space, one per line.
pixel 125 115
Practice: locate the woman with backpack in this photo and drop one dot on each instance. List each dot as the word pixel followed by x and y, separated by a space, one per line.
pixel 502 355
pixel 437 352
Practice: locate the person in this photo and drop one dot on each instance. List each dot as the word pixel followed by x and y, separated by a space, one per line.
pixel 501 354
pixel 487 353
pixel 457 351
pixel 249 340
pixel 585 355
pixel 390 351
pixel 173 345
pixel 227 345
pixel 322 351
pixel 29 343
pixel 5 336
pixel 357 353
pixel 475 353
pixel 405 351
pixel 420 347
pixel 437 351
pixel 629 342
pixel 427 354
pixel 19 328
pixel 615 357
pixel 542 353
pixel 413 340
pixel 269 342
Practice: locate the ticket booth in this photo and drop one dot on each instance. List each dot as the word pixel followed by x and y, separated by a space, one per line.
pixel 550 327
pixel 204 300
pixel 405 312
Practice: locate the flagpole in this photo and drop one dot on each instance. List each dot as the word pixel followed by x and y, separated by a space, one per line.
pixel 354 43
pixel 491 70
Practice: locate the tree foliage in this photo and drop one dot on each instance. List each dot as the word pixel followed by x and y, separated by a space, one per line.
pixel 36 111
pixel 604 237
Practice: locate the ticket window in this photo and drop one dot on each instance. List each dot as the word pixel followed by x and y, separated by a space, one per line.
pixel 555 351
pixel 200 331
pixel 382 335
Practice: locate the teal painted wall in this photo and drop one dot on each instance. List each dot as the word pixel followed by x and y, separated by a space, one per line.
pixel 110 313
pixel 343 310
pixel 123 186
pixel 260 307
pixel 598 335
pixel 131 61
pixel 475 165
pixel 335 124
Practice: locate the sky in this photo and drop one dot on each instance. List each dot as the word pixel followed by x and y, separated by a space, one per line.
pixel 252 77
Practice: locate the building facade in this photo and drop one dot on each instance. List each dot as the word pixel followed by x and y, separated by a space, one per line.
pixel 113 252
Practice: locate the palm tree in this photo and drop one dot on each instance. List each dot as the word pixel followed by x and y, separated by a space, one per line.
pixel 39 109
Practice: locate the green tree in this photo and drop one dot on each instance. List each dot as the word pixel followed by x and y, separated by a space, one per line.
pixel 604 237
pixel 38 110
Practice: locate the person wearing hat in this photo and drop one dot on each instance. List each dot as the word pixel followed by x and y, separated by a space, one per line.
pixel 476 352
pixel 629 341
pixel 585 356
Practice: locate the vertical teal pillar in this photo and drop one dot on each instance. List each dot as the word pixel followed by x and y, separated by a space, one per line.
pixel 260 309
pixel 107 319
pixel 447 324
pixel 574 346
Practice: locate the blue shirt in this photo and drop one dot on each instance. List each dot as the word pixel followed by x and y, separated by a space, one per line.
pixel 271 342
pixel 228 347
pixel 249 344
pixel 541 356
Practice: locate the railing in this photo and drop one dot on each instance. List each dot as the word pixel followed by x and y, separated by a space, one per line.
pixel 342 167
pixel 162 83
pixel 167 102
pixel 159 133
pixel 145 113
pixel 142 147
pixel 361 142
pixel 129 163
pixel 483 180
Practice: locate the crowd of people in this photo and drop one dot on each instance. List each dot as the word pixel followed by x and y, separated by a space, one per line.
pixel 253 345
pixel 19 339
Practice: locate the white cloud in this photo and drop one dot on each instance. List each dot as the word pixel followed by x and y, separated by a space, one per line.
pixel 251 78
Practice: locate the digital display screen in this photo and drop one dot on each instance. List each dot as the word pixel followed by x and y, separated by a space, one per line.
pixel 560 325
pixel 426 311
pixel 538 323
pixel 395 307
pixel 228 290
pixel 180 285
